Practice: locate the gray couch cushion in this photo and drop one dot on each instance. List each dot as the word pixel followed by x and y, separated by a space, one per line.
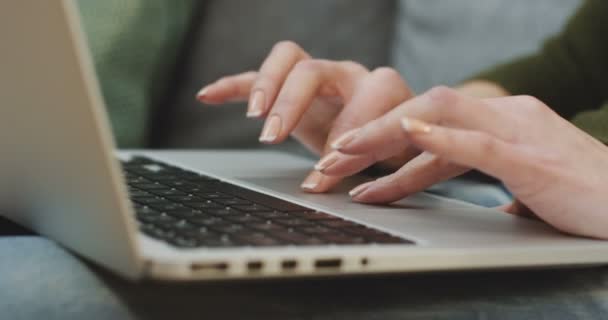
pixel 444 42
pixel 234 36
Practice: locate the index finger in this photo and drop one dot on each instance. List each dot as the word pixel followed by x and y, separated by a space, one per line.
pixel 385 137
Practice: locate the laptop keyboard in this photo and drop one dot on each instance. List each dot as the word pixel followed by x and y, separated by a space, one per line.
pixel 189 210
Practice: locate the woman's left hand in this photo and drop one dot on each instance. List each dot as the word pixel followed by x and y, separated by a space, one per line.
pixel 554 169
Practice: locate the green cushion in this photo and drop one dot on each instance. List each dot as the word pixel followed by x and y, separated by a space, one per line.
pixel 134 45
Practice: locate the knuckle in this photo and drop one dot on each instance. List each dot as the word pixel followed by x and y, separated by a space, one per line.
pixel 352 66
pixel 287 45
pixel 387 74
pixel 532 103
pixel 442 95
pixel 487 144
pixel 267 81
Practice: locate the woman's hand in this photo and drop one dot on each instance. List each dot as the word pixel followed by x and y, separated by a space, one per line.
pixel 313 100
pixel 555 170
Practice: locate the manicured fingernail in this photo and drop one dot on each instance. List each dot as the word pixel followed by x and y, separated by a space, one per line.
pixel 256 105
pixel 271 129
pixel 345 139
pixel 360 189
pixel 415 126
pixel 327 161
pixel 201 94
pixel 312 181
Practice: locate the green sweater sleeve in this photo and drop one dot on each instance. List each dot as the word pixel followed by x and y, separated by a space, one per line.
pixel 570 73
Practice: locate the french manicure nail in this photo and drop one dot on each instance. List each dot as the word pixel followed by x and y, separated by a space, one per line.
pixel 312 181
pixel 327 161
pixel 415 126
pixel 345 139
pixel 360 189
pixel 271 129
pixel 201 94
pixel 256 105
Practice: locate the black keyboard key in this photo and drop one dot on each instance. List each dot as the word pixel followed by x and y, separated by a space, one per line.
pixel 167 206
pixel 268 227
pixel 168 192
pixel 222 241
pixel 185 199
pixel 338 223
pixel 206 221
pixel 363 231
pixel 185 213
pixel 245 219
pixel 294 237
pixel 234 202
pixel 313 215
pixel 216 196
pixel 224 212
pixel 139 193
pixel 184 242
pixel 146 211
pixel 252 208
pixel 204 205
pixel 148 186
pixel 260 198
pixel 165 221
pixel 271 215
pixel 316 230
pixel 337 238
pixel 293 222
pixel 200 233
pixel 229 228
pixel 180 184
pixel 156 232
pixel 149 201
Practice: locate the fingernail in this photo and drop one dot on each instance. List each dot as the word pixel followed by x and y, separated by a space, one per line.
pixel 327 161
pixel 312 181
pixel 415 126
pixel 256 105
pixel 360 189
pixel 345 139
pixel 271 129
pixel 201 94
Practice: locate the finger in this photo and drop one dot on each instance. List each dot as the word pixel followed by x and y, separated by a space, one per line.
pixel 317 182
pixel 468 148
pixel 384 137
pixel 306 81
pixel 415 176
pixel 517 208
pixel 378 92
pixel 234 88
pixel 272 74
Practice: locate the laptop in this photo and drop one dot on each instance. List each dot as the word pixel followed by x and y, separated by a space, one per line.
pixel 212 215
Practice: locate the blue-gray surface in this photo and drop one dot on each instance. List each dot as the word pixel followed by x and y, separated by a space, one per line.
pixel 40 280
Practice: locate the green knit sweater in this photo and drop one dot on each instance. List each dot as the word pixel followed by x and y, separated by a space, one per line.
pixel 570 73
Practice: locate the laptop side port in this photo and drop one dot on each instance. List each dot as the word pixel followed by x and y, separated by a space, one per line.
pixel 255 266
pixel 289 265
pixel 324 264
pixel 206 267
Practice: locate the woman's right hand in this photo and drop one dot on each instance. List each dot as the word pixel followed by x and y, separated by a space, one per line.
pixel 315 101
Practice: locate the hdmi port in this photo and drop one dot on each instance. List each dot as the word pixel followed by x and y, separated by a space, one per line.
pixel 328 263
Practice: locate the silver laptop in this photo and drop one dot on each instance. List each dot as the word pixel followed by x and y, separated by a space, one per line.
pixel 184 215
